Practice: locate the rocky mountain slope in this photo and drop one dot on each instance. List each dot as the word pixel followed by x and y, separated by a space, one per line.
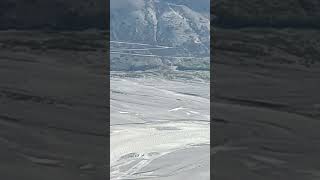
pixel 161 23
pixel 169 30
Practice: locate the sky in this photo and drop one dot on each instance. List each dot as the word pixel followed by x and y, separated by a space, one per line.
pixel 198 5
pixel 127 4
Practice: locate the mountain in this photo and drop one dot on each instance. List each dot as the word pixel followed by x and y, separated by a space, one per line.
pixel 165 23
pixel 147 34
pixel 202 6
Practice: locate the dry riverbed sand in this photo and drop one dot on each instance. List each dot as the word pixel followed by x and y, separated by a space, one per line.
pixel 159 129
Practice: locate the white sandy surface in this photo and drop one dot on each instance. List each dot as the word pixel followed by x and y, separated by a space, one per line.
pixel 159 129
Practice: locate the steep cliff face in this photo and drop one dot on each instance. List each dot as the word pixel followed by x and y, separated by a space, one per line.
pixel 53 14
